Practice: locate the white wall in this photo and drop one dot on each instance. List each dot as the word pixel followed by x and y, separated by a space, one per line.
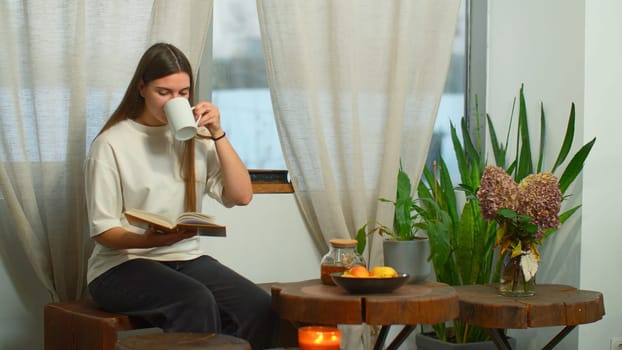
pixel 601 259
pixel 568 51
pixel 267 241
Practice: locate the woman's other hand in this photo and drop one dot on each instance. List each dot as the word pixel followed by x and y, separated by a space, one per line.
pixel 160 238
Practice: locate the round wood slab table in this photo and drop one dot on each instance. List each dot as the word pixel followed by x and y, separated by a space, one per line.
pixel 553 305
pixel 312 302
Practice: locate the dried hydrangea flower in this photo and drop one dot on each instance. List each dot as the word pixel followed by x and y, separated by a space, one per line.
pixel 539 196
pixel 497 190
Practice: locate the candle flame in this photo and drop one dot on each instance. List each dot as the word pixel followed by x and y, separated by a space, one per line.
pixel 320 338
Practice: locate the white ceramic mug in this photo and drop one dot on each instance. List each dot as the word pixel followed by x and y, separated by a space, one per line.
pixel 180 118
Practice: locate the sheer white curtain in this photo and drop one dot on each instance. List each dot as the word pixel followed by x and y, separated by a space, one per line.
pixel 355 87
pixel 64 65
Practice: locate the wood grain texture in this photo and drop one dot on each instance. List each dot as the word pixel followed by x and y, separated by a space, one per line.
pixel 312 302
pixel 268 187
pixel 81 325
pixel 553 305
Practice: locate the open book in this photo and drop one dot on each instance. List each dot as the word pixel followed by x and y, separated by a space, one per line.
pixel 204 224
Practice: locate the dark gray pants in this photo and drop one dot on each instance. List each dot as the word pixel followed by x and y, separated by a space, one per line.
pixel 199 295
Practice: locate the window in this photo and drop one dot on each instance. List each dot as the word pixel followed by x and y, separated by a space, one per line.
pixel 452 104
pixel 240 89
pixel 239 84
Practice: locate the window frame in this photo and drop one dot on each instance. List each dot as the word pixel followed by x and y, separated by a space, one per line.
pixel 277 181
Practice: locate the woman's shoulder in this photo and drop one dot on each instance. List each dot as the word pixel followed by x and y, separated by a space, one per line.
pixel 114 132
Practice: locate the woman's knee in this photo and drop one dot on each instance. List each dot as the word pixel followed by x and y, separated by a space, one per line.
pixel 193 311
pixel 198 298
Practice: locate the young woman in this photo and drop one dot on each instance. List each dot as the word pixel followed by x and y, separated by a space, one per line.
pixel 135 162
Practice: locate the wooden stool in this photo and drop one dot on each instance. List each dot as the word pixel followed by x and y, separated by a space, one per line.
pixel 81 325
pixel 182 341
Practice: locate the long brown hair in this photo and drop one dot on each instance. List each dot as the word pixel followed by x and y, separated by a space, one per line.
pixel 158 61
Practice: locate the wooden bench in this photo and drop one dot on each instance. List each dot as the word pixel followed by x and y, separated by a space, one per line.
pixel 81 325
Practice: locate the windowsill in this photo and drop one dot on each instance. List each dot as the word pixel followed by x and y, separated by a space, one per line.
pixel 272 187
pixel 270 181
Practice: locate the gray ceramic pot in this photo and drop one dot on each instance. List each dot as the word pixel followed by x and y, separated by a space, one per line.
pixel 409 257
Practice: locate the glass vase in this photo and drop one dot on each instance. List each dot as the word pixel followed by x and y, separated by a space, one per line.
pixel 513 282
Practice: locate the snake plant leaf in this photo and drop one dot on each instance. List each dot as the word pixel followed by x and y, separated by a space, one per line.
pixel 476 174
pixel 568 138
pixel 459 153
pixel 486 272
pixel 440 248
pixel 403 202
pixel 449 195
pixel 568 213
pixel 468 190
pixel 483 241
pixel 523 157
pixel 511 168
pixel 542 138
pixel 575 166
pixel 469 147
pixel 464 246
pixel 498 149
pixel 423 191
pixel 562 218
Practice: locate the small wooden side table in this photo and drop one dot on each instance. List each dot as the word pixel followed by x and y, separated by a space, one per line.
pixel 312 302
pixel 553 305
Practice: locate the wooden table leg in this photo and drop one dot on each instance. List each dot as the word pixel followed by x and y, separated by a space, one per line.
pixel 498 337
pixel 564 332
pixel 397 341
pixel 382 336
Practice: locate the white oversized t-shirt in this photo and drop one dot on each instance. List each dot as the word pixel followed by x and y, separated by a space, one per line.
pixel 132 165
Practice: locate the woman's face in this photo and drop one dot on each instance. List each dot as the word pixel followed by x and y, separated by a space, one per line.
pixel 157 92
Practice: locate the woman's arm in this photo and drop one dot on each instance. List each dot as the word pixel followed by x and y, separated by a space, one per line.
pixel 120 238
pixel 236 181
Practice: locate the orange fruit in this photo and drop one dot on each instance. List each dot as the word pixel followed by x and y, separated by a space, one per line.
pixel 356 271
pixel 383 272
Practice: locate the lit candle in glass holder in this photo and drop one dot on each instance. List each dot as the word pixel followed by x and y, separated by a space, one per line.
pixel 319 338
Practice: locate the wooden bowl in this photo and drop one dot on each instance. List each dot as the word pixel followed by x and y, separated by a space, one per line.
pixel 369 285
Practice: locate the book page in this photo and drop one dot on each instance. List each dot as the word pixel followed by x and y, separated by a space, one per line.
pixel 195 218
pixel 201 223
pixel 155 218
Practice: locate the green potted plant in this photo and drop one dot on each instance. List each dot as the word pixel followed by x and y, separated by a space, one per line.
pixel 462 242
pixel 405 247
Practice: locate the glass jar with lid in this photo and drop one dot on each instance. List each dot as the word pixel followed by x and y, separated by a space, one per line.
pixel 341 256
